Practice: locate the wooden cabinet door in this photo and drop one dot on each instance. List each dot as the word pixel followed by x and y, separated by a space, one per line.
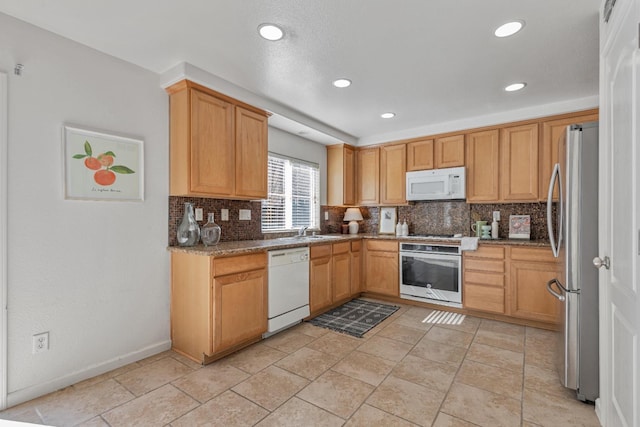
pixel 251 154
pixel 483 160
pixel 212 154
pixel 320 292
pixel 528 288
pixel 239 308
pixel 519 163
pixel 420 155
pixel 349 174
pixel 449 152
pixel 552 131
pixel 356 268
pixel 368 173
pixel 341 274
pixel 341 167
pixel 382 274
pixel 393 168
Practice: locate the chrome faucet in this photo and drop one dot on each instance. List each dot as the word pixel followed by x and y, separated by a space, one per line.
pixel 302 231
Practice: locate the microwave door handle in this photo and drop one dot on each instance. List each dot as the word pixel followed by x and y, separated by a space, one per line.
pixel 555 175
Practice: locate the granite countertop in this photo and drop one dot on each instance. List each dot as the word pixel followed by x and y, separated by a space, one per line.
pixel 249 246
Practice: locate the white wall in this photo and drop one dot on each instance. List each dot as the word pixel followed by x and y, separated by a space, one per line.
pixel 294 146
pixel 93 274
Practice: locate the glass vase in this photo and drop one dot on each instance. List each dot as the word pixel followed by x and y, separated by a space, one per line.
pixel 210 234
pixel 188 229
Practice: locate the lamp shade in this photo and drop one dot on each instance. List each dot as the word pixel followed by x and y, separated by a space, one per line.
pixel 353 214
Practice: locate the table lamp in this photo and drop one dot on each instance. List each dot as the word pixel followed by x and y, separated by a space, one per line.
pixel 353 215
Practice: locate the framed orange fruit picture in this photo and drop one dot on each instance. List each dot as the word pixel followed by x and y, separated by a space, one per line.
pixel 102 166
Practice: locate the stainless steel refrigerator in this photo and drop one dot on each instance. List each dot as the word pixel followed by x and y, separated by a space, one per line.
pixel 573 232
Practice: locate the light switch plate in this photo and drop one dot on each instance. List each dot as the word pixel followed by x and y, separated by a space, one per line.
pixel 326 216
pixel 496 215
pixel 245 214
pixel 224 214
pixel 198 214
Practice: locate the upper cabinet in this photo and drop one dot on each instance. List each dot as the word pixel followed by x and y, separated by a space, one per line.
pixel 483 148
pixel 380 178
pixel 218 145
pixel 420 155
pixel 393 168
pixel 551 133
pixel 444 152
pixel 519 163
pixel 341 175
pixel 368 176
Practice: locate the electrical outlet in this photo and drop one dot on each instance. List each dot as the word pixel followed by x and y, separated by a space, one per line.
pixel 326 216
pixel 198 214
pixel 224 214
pixel 40 342
pixel 496 215
pixel 245 215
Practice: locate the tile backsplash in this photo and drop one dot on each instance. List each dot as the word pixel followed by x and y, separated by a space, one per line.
pixel 433 217
pixel 448 217
pixel 231 230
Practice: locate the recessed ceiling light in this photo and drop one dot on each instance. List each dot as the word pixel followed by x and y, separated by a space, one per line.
pixel 387 115
pixel 270 32
pixel 509 29
pixel 342 83
pixel 515 86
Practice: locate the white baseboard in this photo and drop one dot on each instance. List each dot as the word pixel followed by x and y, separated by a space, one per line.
pixel 29 393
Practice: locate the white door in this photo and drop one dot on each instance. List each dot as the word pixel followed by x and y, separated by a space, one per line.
pixel 620 216
pixel 3 240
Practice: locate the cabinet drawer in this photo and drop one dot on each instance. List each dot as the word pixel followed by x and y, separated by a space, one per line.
pixel 533 254
pixel 340 248
pixel 485 298
pixel 489 279
pixel 483 265
pixel 237 264
pixel 484 251
pixel 320 251
pixel 355 246
pixel 382 245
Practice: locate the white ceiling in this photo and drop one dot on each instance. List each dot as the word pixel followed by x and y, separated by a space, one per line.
pixel 432 62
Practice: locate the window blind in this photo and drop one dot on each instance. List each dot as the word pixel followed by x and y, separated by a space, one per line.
pixel 294 192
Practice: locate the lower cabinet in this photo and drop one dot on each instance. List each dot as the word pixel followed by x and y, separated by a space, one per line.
pixel 341 271
pixel 217 304
pixel 484 279
pixel 319 277
pixel 382 267
pixel 531 269
pixel 356 268
pixel 511 280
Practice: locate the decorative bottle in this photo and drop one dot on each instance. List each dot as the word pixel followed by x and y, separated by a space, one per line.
pixel 405 228
pixel 210 233
pixel 398 229
pixel 494 229
pixel 188 229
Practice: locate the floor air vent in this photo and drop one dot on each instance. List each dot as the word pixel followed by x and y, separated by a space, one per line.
pixel 444 317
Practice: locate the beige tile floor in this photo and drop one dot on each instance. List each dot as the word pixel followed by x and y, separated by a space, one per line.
pixel 403 373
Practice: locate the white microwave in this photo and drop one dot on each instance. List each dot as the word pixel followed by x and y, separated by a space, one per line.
pixel 436 184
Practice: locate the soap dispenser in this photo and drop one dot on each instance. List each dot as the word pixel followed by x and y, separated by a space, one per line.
pixel 398 229
pixel 494 224
pixel 405 228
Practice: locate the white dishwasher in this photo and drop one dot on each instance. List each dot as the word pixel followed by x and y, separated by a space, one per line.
pixel 288 288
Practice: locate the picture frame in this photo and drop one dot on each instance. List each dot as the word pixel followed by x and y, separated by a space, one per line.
pixel 387 222
pixel 520 227
pixel 102 166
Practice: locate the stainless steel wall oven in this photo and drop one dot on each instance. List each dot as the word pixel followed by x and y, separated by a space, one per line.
pixel 431 273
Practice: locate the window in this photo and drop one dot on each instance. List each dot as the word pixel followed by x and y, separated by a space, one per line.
pixel 294 192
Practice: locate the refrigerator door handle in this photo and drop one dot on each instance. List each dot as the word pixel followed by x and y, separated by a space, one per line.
pixel 555 177
pixel 558 295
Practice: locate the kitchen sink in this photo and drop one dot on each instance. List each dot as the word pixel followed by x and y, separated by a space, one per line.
pixel 307 238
